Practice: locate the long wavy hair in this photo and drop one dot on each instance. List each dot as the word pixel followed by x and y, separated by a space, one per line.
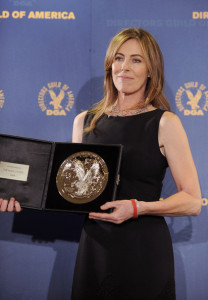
pixel 155 83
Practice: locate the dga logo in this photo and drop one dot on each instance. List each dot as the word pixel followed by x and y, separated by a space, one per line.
pixel 192 99
pixel 56 99
pixel 2 98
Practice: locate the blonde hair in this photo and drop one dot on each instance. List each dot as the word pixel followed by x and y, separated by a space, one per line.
pixel 154 60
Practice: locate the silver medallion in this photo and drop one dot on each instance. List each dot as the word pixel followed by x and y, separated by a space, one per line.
pixel 82 177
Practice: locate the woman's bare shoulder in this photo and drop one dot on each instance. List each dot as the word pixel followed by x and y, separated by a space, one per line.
pixel 170 122
pixel 78 127
pixel 80 117
pixel 169 116
pixel 170 128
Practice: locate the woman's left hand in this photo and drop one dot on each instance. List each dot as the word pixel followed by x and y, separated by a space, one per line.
pixel 122 211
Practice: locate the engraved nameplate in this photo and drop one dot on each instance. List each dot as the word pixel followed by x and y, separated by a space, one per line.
pixel 13 171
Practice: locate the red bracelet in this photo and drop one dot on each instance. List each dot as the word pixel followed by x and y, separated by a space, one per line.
pixel 133 201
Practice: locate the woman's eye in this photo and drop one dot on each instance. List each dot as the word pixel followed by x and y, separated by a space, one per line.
pixel 118 58
pixel 136 60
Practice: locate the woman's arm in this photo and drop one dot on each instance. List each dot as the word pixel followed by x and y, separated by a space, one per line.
pixel 187 201
pixel 78 127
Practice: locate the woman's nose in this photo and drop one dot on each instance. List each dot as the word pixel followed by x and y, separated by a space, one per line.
pixel 125 65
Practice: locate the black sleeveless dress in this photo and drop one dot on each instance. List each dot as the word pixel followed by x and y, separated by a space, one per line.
pixel 133 260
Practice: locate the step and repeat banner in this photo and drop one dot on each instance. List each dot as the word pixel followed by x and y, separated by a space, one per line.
pixel 51 68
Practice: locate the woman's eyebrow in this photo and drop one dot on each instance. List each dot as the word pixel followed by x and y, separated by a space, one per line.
pixel 119 53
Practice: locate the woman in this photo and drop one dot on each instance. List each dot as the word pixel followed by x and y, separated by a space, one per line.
pixel 127 254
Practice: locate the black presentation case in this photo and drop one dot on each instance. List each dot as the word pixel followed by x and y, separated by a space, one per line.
pixel 44 158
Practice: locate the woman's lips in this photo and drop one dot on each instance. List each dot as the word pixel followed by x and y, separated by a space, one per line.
pixel 125 77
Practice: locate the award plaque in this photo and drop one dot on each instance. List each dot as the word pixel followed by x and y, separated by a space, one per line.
pixel 69 177
pixel 82 177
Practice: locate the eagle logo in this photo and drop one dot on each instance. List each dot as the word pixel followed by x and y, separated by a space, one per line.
pixel 85 177
pixel 194 99
pixel 56 100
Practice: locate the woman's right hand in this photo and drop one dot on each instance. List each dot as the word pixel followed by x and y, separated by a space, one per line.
pixel 10 205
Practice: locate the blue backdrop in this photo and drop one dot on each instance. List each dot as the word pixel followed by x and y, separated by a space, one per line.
pixel 54 50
